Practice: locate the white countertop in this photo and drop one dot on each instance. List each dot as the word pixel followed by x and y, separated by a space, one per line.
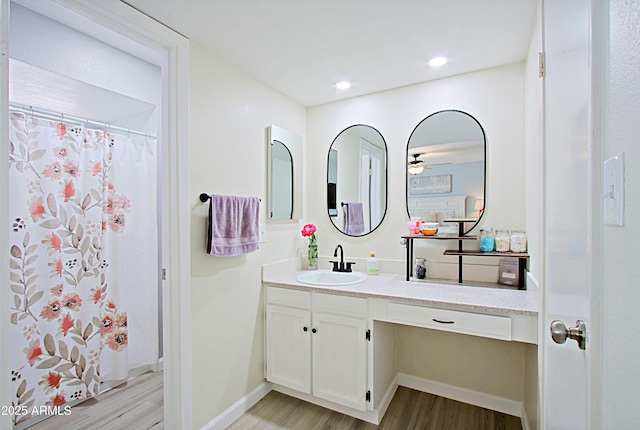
pixel 450 296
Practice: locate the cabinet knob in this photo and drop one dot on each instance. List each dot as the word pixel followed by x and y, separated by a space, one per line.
pixel 305 329
pixel 313 330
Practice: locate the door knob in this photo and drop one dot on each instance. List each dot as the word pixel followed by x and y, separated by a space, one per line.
pixel 560 333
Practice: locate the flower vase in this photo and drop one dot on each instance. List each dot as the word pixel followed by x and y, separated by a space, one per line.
pixel 312 253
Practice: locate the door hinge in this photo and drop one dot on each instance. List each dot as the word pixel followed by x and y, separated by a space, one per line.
pixel 368 335
pixel 164 274
pixel 541 64
pixel 367 396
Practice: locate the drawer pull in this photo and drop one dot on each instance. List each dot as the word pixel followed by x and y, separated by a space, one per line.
pixel 443 322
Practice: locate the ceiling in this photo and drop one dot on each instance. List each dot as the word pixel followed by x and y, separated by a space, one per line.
pixel 301 48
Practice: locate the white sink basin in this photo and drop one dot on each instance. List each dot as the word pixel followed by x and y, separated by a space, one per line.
pixel 330 278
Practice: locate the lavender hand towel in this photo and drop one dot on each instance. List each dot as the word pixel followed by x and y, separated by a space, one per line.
pixel 354 219
pixel 233 225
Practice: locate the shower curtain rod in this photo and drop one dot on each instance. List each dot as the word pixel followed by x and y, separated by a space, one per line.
pixel 57 116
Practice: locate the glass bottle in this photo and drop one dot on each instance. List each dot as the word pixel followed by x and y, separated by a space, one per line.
pixel 487 240
pixel 421 268
pixel 503 240
pixel 518 241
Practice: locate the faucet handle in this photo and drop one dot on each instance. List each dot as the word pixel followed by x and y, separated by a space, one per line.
pixel 335 266
pixel 349 264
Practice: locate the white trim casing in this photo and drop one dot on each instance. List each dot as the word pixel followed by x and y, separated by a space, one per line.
pixel 5 366
pixel 142 36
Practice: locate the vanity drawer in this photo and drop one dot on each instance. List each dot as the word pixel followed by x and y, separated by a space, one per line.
pixel 338 304
pixel 288 297
pixel 496 327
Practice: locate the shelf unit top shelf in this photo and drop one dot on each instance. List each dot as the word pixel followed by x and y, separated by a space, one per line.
pixel 488 254
pixel 444 236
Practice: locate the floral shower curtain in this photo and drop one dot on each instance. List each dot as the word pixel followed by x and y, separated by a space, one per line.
pixel 83 259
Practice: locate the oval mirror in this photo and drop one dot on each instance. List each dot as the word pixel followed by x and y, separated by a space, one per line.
pixel 446 170
pixel 357 180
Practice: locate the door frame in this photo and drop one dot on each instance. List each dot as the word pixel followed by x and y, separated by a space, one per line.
pixel 5 366
pixel 598 95
pixel 115 19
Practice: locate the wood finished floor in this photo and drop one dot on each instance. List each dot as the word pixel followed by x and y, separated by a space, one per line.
pixel 409 409
pixel 134 405
pixel 138 405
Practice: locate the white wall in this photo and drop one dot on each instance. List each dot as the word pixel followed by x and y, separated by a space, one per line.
pixel 70 62
pixel 620 375
pixel 229 113
pixel 495 97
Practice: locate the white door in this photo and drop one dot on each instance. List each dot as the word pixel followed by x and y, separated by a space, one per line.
pixel 568 217
pixel 289 347
pixel 339 360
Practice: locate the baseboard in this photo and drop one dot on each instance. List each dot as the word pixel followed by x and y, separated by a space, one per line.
pixel 524 418
pixel 236 410
pixel 387 397
pixel 476 398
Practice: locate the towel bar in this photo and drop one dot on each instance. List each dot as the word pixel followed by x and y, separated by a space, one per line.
pixel 204 197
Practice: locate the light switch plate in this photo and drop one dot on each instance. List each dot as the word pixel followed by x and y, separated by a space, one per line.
pixel 262 234
pixel 613 191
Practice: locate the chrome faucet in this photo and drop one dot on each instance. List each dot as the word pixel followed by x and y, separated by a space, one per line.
pixel 339 266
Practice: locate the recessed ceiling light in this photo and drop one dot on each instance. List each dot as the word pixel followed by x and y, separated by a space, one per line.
pixel 343 85
pixel 438 61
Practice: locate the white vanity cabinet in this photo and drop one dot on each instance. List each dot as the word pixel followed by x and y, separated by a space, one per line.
pixel 288 347
pixel 338 347
pixel 316 344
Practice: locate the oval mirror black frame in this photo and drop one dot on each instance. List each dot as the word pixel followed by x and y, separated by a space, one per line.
pixel 341 199
pixel 441 186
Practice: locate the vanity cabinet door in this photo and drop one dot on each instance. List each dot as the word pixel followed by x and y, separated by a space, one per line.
pixel 289 347
pixel 339 359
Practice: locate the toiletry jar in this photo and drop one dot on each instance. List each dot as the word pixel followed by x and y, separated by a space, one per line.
pixel 429 228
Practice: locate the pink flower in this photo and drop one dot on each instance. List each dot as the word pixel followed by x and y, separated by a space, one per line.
pixel 108 206
pixel 96 294
pixel 57 290
pixel 51 381
pixel 69 191
pixel 56 267
pixel 72 301
pixel 71 167
pixel 58 400
pixel 107 325
pixel 36 208
pixel 308 230
pixel 53 241
pixel 67 324
pixel 122 202
pixel 60 151
pixel 52 310
pixel 53 171
pixel 118 340
pixel 33 352
pixel 61 130
pixel 121 321
pixel 117 222
pixel 97 168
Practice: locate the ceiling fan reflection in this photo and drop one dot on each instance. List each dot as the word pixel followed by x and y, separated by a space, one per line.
pixel 417 166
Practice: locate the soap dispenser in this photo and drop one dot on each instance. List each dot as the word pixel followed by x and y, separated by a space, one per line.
pixel 372 264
